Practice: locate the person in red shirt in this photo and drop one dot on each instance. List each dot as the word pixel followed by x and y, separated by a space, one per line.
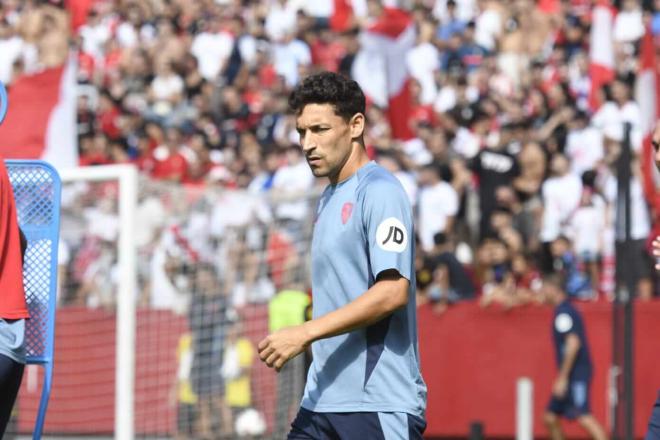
pixel 169 163
pixel 13 309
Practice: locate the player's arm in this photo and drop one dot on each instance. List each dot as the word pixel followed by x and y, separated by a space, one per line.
pixel 389 293
pixel 570 355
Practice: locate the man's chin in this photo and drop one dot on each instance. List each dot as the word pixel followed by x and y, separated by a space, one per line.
pixel 319 172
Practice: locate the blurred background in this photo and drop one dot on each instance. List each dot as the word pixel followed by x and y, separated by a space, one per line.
pixel 503 119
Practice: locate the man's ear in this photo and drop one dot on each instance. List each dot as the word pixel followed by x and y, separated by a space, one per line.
pixel 356 125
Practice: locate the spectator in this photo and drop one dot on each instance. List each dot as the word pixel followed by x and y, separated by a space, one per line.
pixel 588 227
pixel 422 62
pixel 207 317
pixel 628 24
pixel 471 52
pixel 450 281
pixel 494 167
pixel 236 367
pixel 584 145
pixel 438 205
pixel 561 197
pixel 169 163
pixel 450 24
pixel 186 399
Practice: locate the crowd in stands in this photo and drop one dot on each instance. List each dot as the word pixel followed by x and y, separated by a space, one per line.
pixel 511 170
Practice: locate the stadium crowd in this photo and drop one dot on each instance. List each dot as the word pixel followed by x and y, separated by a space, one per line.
pixel 511 167
pixel 510 170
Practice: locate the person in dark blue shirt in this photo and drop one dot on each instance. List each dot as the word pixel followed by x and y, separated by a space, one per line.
pixel 570 392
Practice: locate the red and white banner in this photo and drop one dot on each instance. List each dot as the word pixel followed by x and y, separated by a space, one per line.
pixel 647 95
pixel 380 67
pixel 601 50
pixel 345 13
pixel 41 119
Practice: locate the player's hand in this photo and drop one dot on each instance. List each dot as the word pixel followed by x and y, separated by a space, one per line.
pixel 656 251
pixel 277 348
pixel 560 387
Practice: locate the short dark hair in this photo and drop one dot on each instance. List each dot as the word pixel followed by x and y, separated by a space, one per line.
pixel 344 94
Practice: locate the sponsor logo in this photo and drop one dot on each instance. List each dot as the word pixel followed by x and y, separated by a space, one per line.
pixel 563 322
pixel 392 235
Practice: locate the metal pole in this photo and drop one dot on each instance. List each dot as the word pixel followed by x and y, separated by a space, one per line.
pixel 623 311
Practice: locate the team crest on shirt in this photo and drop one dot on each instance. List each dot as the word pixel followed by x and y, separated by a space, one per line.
pixel 346 212
pixel 392 235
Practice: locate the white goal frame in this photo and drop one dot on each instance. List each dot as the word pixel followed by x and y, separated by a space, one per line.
pixel 127 176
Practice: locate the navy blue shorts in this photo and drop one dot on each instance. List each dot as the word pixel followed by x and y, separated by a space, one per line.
pixel 576 402
pixel 310 425
pixel 654 423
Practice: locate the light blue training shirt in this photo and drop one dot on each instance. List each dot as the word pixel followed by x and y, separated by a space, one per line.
pixel 364 226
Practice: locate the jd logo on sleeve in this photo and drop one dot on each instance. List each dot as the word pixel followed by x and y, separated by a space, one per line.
pixel 391 235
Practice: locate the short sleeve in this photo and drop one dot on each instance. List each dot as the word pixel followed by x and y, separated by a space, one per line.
pixel 388 225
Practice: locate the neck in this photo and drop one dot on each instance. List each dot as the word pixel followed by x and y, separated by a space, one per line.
pixel 356 160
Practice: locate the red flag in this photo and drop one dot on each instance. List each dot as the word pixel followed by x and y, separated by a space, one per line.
pixel 341 17
pixel 381 70
pixel 601 51
pixel 79 10
pixel 41 119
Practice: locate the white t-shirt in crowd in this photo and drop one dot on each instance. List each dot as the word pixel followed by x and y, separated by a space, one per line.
pixel 288 57
pixel 628 26
pixel 165 87
pixel 587 227
pixel 561 197
pixel 94 38
pixel 423 61
pixel 164 295
pixel 445 100
pixel 294 180
pixel 416 150
pixel 212 51
pixel 488 26
pixel 584 148
pixel 102 223
pixel 466 143
pixel 610 119
pixel 280 20
pixel 437 203
pixel 236 209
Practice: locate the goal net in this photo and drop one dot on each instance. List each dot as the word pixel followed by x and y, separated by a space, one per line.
pixel 214 271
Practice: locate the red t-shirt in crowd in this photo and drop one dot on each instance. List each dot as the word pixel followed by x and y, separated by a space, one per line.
pixel 169 165
pixel 12 294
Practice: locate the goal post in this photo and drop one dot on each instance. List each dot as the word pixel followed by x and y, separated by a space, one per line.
pixel 127 178
pixel 166 292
